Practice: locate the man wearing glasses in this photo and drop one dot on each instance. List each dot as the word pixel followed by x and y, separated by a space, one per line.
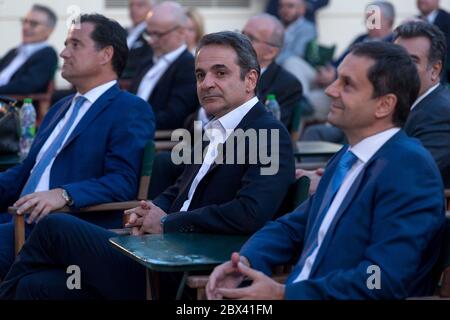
pixel 168 84
pixel 31 66
pixel 267 35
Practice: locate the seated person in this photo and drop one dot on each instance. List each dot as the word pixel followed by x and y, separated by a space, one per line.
pixel 31 66
pixel 140 53
pixel 232 190
pixel 168 84
pixel 370 231
pixel 89 148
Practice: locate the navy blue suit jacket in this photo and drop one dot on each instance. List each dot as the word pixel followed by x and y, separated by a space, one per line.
pixel 101 160
pixel 442 21
pixel 174 97
pixel 233 198
pixel 34 75
pixel 392 217
pixel 429 122
pixel 286 87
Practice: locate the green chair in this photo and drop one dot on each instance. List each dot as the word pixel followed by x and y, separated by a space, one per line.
pixel 318 55
pixel 144 183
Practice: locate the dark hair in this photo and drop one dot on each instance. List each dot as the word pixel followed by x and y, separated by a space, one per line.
pixel 438 48
pixel 246 55
pixel 51 16
pixel 393 72
pixel 108 32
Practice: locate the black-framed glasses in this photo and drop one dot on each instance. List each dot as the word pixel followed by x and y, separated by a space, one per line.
pixel 255 39
pixel 32 23
pixel 157 35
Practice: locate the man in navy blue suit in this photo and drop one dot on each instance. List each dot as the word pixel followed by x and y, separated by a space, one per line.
pixel 30 67
pixel 215 195
pixel 89 147
pixel 373 228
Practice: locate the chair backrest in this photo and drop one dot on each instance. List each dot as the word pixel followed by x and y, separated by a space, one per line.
pixel 146 171
pixel 297 193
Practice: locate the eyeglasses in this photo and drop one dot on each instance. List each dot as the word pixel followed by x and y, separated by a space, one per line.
pixel 32 23
pixel 255 39
pixel 157 35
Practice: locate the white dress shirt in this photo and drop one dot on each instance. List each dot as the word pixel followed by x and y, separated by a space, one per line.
pixel 91 96
pixel 423 96
pixel 432 16
pixel 364 150
pixel 24 52
pixel 134 33
pixel 155 73
pixel 218 131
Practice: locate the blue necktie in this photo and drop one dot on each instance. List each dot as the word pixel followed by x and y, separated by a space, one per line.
pixel 344 165
pixel 52 150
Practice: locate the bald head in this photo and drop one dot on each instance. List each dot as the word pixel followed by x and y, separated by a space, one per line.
pixel 169 11
pixel 165 27
pixel 266 34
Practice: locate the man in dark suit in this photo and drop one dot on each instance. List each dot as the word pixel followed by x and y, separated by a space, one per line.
pixel 373 229
pixel 140 53
pixel 429 119
pixel 432 13
pixel 89 147
pixel 30 67
pixel 267 33
pixel 168 84
pixel 216 195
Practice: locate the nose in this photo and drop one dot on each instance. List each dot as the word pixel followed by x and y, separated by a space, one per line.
pixel 64 53
pixel 332 90
pixel 207 82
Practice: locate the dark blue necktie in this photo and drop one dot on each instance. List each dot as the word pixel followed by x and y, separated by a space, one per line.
pixel 344 165
pixel 52 150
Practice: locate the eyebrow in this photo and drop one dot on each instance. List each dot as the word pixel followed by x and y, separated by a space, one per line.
pixel 348 79
pixel 71 40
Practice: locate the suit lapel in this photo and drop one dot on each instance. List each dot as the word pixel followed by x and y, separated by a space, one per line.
pixel 99 105
pixel 364 175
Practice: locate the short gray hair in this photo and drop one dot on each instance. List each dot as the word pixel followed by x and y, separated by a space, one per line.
pixel 387 10
pixel 51 16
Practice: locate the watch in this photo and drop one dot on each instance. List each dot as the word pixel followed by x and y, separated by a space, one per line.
pixel 67 197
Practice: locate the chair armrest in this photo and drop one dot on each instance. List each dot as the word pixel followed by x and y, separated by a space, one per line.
pixel 163 134
pixel 112 206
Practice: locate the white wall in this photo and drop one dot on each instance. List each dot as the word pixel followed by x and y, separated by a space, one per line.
pixel 338 23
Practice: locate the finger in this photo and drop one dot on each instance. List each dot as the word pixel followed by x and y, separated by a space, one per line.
pixel 135 231
pixel 130 211
pixel 145 204
pixel 24 199
pixel 44 212
pixel 320 171
pixel 235 258
pixel 132 219
pixel 27 206
pixel 135 224
pixel 36 212
pixel 239 293
pixel 249 272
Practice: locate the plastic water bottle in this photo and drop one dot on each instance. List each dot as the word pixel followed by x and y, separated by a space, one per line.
pixel 28 125
pixel 272 106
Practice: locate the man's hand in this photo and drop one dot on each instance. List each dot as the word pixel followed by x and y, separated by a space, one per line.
pixel 226 275
pixel 145 219
pixel 262 287
pixel 313 175
pixel 39 204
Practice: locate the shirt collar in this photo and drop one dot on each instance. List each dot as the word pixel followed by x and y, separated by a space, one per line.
pixel 423 96
pixel 228 122
pixel 432 16
pixel 367 147
pixel 172 55
pixel 30 48
pixel 93 94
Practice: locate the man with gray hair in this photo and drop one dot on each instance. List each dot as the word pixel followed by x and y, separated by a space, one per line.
pixel 30 67
pixel 168 83
pixel 267 35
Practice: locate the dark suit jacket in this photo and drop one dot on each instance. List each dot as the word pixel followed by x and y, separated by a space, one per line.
pixel 175 95
pixel 139 57
pixel 392 217
pixel 34 75
pixel 286 87
pixel 429 122
pixel 101 160
pixel 233 198
pixel 442 21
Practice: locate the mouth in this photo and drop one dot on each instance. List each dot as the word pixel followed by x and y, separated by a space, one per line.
pixel 210 98
pixel 334 105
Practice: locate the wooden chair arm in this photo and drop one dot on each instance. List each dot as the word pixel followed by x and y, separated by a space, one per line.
pixel 163 134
